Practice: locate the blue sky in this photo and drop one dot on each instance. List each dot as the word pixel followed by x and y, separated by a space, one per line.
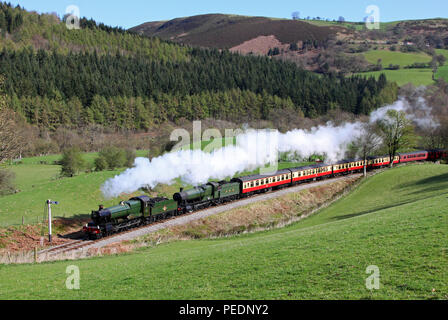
pixel 133 12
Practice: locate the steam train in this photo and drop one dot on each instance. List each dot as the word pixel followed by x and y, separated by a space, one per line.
pixel 144 210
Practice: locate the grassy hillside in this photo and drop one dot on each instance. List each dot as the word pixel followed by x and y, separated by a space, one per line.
pixel 442 72
pixel 395 220
pixel 39 182
pixel 402 76
pixel 397 58
pixel 418 77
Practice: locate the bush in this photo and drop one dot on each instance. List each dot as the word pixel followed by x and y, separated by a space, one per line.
pixel 72 162
pixel 100 164
pixel 393 67
pixel 130 157
pixel 114 157
pixel 7 182
pixel 417 65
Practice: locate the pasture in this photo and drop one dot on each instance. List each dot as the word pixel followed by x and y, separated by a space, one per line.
pixel 418 77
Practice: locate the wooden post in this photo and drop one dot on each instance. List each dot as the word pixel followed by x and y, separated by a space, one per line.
pixel 35 254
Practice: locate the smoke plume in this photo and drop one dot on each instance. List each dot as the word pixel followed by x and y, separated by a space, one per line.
pixel 253 149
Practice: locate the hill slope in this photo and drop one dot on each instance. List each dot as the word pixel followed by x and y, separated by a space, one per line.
pixel 228 31
pixel 395 220
pixel 321 45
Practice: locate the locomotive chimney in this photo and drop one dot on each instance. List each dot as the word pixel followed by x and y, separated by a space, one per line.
pixel 181 189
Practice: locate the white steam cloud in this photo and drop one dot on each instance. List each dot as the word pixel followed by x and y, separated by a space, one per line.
pixel 253 149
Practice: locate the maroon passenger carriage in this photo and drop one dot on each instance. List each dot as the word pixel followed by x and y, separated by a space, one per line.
pixel 413 156
pixel 437 154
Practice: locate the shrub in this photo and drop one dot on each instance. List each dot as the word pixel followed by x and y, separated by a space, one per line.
pixel 7 182
pixel 130 157
pixel 100 164
pixel 114 157
pixel 72 162
pixel 393 67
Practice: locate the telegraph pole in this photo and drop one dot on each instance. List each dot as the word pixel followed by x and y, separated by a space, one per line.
pixel 49 203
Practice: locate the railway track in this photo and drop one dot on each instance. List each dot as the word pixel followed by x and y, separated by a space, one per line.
pixel 179 220
pixel 82 244
pixel 60 248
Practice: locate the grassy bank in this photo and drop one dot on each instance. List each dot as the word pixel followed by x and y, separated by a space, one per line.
pixel 418 77
pixel 396 220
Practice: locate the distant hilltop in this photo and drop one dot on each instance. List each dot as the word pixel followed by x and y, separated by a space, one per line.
pixel 315 44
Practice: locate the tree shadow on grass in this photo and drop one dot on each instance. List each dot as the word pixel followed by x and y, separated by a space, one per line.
pixel 353 215
pixel 440 179
pixel 436 183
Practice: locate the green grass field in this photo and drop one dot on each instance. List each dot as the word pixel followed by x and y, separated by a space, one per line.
pixel 396 57
pixel 89 157
pixel 37 182
pixel 442 72
pixel 443 52
pixel 396 220
pixel 418 77
pixel 324 23
pixel 402 76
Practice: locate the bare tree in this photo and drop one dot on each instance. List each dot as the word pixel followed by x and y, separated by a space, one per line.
pixel 296 15
pixel 10 142
pixel 434 138
pixel 397 132
pixel 367 144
